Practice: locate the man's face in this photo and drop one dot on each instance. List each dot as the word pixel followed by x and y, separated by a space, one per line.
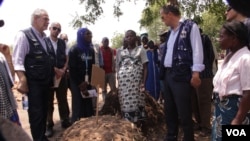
pixel 105 42
pixel 42 21
pixel 55 30
pixel 165 18
pixel 231 14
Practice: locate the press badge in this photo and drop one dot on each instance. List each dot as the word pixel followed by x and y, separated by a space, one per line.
pixel 86 78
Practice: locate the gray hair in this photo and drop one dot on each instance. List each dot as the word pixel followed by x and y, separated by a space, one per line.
pixel 37 13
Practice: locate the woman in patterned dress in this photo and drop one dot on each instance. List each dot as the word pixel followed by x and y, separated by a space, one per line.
pixel 131 79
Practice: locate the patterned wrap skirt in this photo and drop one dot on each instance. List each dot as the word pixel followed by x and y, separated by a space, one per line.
pixel 224 112
pixel 132 101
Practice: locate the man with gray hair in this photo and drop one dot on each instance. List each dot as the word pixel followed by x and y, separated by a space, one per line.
pixel 33 65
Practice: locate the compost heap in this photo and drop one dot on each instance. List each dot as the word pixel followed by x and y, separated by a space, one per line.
pixel 109 126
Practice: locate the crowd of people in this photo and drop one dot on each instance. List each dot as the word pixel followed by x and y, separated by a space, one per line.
pixel 178 71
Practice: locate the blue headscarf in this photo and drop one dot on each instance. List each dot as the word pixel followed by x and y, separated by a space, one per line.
pixel 81 42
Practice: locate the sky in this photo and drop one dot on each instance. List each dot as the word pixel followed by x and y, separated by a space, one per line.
pixel 17 16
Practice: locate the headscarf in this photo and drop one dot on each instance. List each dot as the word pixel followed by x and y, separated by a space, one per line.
pixel 81 42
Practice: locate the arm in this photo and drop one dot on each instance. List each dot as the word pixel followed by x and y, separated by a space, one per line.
pixel 243 109
pixel 113 60
pixel 61 71
pixel 145 73
pixel 197 48
pixel 144 60
pixel 22 86
pixel 74 71
pixel 20 49
pixel 244 106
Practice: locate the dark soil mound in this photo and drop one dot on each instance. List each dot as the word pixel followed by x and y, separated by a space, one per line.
pixel 110 126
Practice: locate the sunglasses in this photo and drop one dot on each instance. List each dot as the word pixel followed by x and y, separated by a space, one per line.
pixel 55 28
pixel 229 8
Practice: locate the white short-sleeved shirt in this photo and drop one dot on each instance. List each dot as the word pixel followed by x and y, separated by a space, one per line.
pixel 233 77
pixel 137 52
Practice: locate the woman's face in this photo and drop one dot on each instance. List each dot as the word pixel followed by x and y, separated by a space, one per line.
pixel 88 36
pixel 225 39
pixel 130 38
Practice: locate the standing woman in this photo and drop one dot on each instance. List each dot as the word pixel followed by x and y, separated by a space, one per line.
pixel 153 80
pixel 81 58
pixel 131 78
pixel 231 82
pixel 8 105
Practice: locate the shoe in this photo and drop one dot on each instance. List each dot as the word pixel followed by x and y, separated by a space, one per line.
pixel 205 132
pixel 49 132
pixel 66 124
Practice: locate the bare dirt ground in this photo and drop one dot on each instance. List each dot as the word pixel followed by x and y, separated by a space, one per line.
pixel 110 126
pixel 23 115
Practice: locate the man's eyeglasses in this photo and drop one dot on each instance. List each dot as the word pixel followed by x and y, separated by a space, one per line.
pixel 55 28
pixel 229 8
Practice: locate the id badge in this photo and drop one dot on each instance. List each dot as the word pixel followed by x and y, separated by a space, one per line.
pixel 86 78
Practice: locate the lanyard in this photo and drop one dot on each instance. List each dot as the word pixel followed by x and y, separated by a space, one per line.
pixel 86 62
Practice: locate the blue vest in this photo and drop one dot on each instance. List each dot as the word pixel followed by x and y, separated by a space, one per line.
pixel 37 63
pixel 182 60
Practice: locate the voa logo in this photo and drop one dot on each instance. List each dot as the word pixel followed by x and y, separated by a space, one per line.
pixel 236 132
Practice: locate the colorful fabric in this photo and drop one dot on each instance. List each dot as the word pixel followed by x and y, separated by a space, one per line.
pixel 81 43
pixel 7 103
pixel 129 79
pixel 224 112
pixel 153 80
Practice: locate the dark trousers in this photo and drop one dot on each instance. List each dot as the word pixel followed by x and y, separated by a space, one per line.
pixel 63 106
pixel 38 108
pixel 81 107
pixel 201 102
pixel 178 108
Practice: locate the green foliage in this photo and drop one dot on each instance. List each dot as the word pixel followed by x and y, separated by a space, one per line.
pixel 212 20
pixel 93 11
pixel 117 40
pixel 209 14
pixel 155 29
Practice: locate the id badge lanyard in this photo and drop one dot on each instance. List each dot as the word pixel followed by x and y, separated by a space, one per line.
pixel 86 71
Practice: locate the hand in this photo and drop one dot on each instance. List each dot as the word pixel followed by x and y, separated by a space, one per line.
pixel 59 72
pixel 142 88
pixel 195 80
pixel 22 87
pixel 86 93
pixel 235 121
pixel 83 87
